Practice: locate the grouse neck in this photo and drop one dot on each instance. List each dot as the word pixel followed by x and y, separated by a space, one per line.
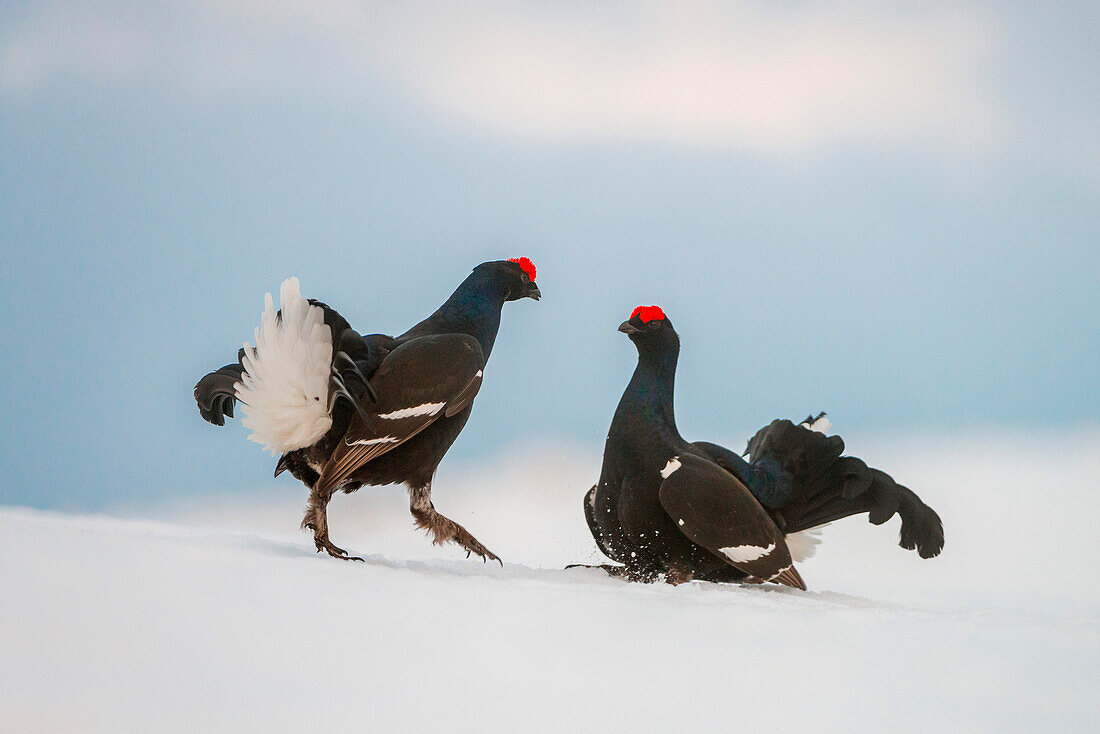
pixel 474 309
pixel 651 389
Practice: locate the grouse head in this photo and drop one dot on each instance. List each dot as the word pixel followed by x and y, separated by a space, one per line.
pixel 651 332
pixel 510 279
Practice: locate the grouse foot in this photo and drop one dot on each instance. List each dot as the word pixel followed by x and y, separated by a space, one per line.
pixel 472 545
pixel 445 530
pixel 324 544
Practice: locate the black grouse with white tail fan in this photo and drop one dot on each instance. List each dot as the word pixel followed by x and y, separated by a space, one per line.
pixel 345 410
pixel 668 508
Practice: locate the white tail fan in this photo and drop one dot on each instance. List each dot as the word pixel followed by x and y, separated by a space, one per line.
pixel 803 544
pixel 285 384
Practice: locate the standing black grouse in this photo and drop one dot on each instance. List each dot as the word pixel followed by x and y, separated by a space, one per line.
pixel 667 507
pixel 346 410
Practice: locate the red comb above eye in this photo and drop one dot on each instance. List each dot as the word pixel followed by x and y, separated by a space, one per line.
pixel 526 264
pixel 648 313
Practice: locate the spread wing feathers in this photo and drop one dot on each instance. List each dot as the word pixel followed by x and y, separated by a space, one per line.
pixel 827 486
pixel 769 483
pixel 715 510
pixel 417 383
pixel 285 383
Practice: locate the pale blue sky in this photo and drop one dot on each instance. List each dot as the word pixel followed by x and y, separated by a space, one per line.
pixel 887 212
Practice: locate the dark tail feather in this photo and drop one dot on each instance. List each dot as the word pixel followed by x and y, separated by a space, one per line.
pixel 828 487
pixel 882 497
pixel 789 577
pixel 216 393
pixel 921 527
pixel 283 465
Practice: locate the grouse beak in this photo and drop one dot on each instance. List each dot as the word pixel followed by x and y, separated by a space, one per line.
pixel 628 328
pixel 534 292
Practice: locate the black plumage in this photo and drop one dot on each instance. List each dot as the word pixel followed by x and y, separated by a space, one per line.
pixel 667 507
pixel 396 403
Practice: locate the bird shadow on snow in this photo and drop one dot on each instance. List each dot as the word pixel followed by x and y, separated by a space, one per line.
pixel 589 580
pixel 696 591
pixel 594 580
pixel 523 577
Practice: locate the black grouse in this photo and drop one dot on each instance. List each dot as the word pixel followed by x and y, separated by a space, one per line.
pixel 346 410
pixel 665 507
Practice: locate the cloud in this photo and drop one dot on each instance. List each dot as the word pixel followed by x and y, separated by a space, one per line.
pixel 754 75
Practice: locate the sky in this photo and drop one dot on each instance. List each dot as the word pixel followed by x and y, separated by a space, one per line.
pixel 888 211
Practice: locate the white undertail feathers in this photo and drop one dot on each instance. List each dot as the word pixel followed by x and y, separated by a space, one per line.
pixel 803 544
pixel 821 424
pixel 285 386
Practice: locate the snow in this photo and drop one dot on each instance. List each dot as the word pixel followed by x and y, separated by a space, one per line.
pixel 220 617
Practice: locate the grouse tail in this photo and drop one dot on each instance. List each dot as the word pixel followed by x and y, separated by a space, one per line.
pixel 216 393
pixel 828 486
pixel 285 378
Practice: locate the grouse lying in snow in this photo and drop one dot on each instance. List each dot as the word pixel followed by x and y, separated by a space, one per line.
pixel 346 410
pixel 683 510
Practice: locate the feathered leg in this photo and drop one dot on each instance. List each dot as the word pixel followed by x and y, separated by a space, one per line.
pixel 443 529
pixel 316 519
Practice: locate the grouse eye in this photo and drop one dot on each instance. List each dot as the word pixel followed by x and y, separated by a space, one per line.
pixel 524 277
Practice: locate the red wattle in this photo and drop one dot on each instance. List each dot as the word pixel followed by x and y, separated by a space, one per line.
pixel 648 313
pixel 526 264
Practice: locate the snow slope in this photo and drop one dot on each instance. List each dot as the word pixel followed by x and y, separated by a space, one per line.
pixel 224 619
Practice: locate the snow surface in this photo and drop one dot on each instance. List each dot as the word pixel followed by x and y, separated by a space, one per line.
pixel 220 617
